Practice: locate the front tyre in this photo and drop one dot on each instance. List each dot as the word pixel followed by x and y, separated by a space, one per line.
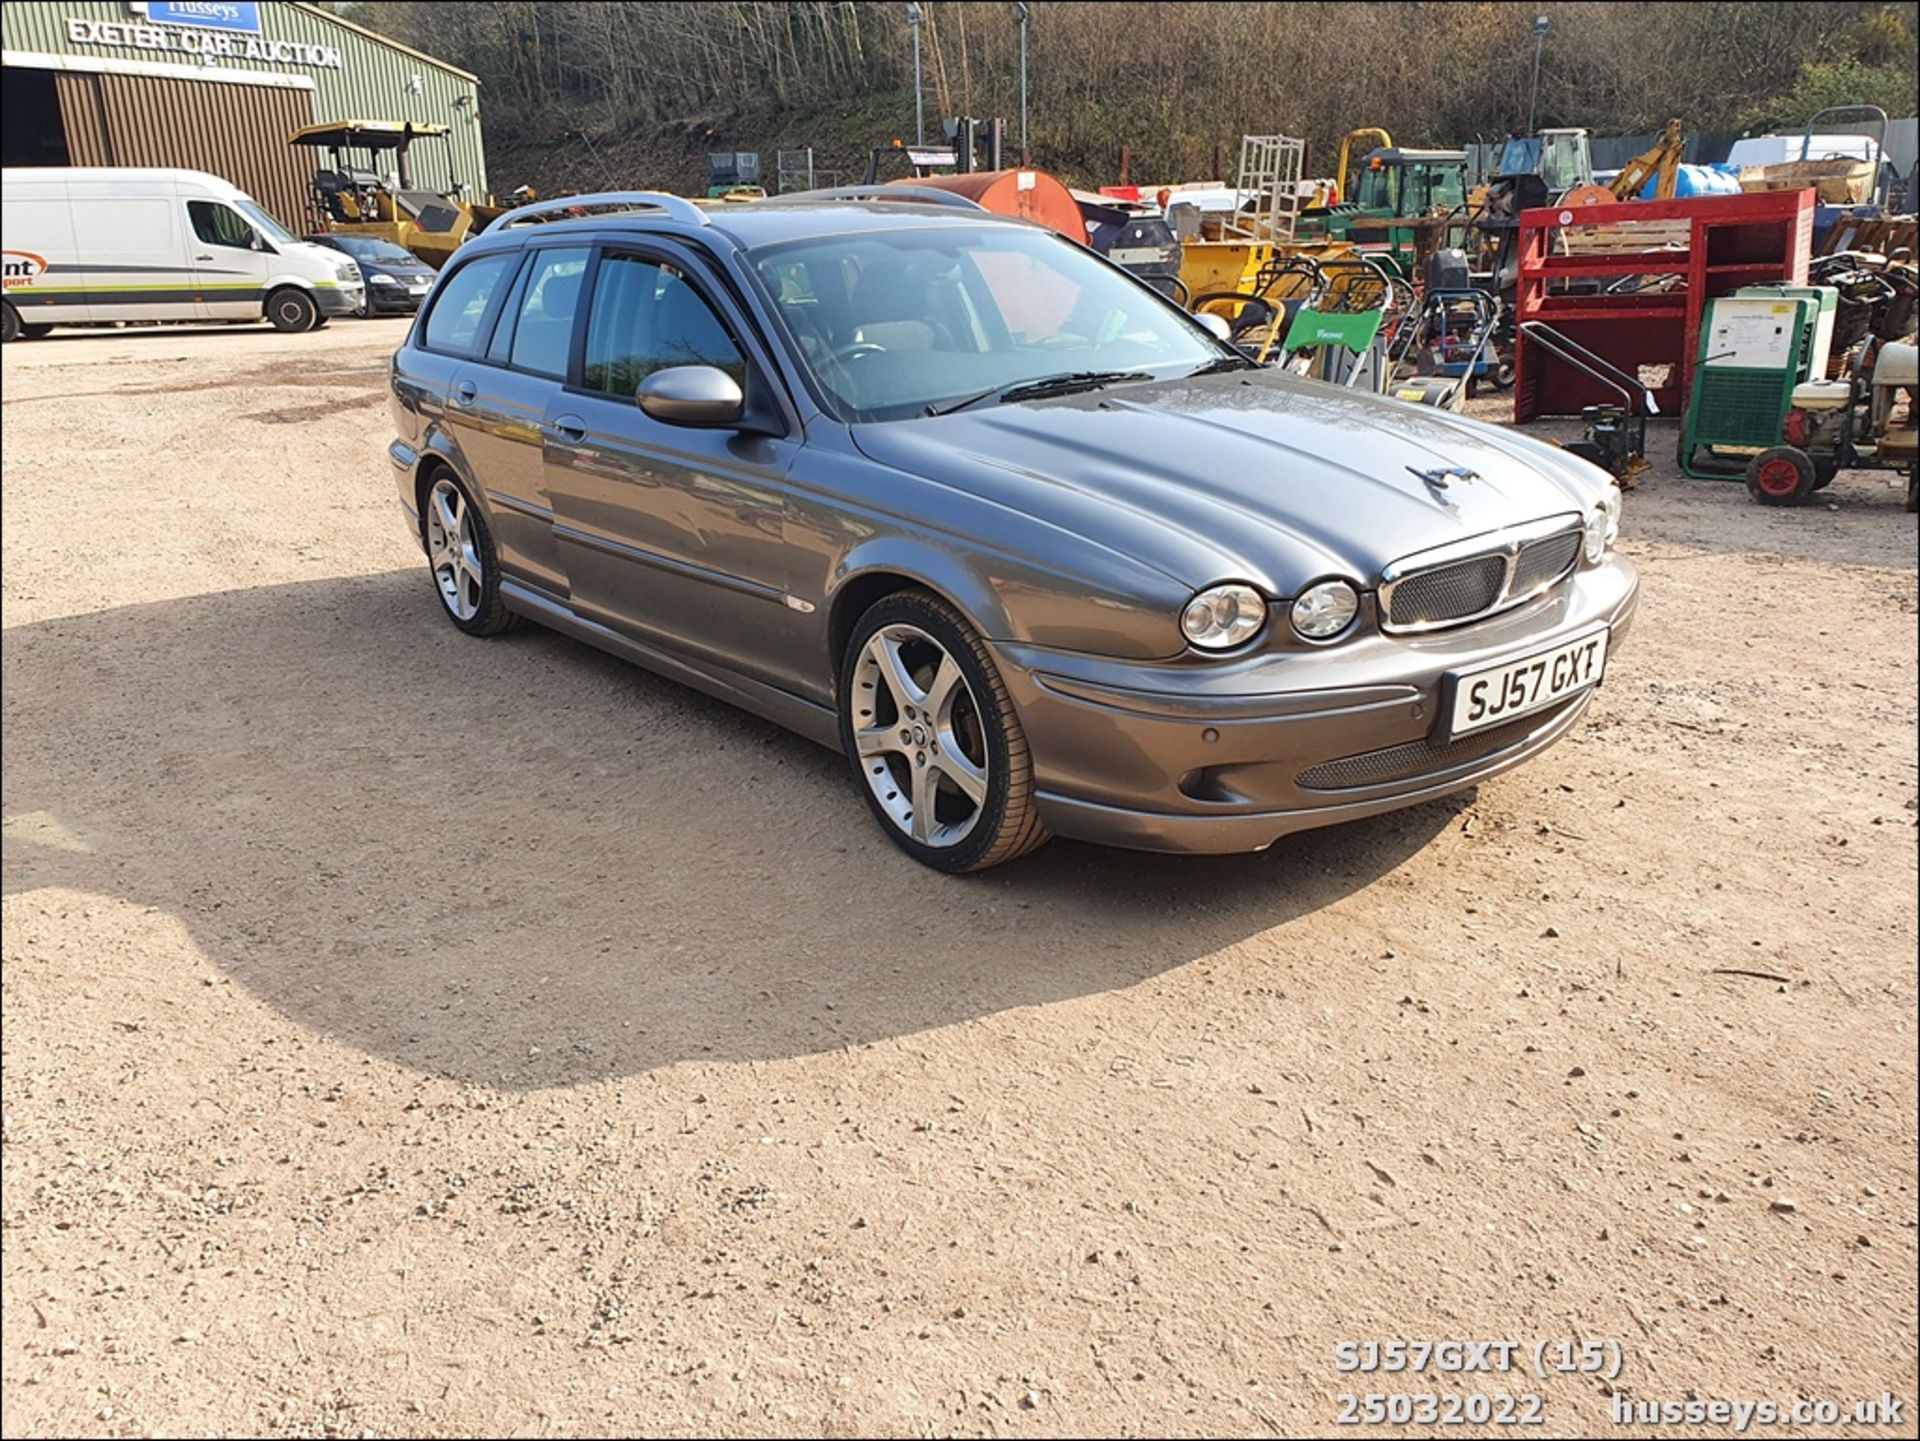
pixel 929 729
pixel 462 559
pixel 291 311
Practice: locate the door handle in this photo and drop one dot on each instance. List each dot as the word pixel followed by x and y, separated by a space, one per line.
pixel 203 257
pixel 464 392
pixel 570 428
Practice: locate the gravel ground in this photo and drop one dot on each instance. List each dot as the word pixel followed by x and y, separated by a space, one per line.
pixel 411 1034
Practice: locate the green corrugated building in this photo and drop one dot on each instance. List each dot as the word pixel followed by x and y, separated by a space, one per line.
pixel 219 86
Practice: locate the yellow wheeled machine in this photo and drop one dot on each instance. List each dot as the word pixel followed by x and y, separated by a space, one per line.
pixel 367 187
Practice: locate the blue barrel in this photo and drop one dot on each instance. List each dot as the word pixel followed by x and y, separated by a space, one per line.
pixel 1696 180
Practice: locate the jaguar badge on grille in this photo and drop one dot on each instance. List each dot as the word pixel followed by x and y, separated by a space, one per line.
pixel 1439 477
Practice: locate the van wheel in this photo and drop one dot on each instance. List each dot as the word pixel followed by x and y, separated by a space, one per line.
pixel 10 327
pixel 291 311
pixel 932 735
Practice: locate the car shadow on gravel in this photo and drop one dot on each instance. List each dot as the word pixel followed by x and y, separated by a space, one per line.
pixel 525 864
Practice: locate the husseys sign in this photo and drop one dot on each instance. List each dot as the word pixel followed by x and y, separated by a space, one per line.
pixel 20 267
pixel 209 46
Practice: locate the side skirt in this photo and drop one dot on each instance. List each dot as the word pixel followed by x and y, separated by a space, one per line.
pixel 816 722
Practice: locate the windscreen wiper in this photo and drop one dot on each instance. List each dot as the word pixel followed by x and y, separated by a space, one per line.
pixel 1225 363
pixel 1069 383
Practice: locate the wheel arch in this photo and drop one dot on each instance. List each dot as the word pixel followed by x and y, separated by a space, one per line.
pixel 869 576
pixel 437 455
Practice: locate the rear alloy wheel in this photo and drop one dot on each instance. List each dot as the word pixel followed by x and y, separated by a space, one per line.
pixel 928 725
pixel 466 572
pixel 291 311
pixel 1783 475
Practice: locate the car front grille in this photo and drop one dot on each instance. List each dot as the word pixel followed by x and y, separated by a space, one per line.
pixel 1415 759
pixel 1543 562
pixel 1502 572
pixel 1448 592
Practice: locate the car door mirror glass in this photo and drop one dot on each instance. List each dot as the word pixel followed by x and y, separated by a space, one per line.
pixel 692 395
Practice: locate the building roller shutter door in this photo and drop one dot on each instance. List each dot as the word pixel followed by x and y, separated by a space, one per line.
pixel 237 132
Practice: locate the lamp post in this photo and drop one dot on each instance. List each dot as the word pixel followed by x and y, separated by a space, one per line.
pixel 1533 98
pixel 914 18
pixel 1022 13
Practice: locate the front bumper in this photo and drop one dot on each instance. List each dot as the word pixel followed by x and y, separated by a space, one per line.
pixel 1231 756
pixel 392 300
pixel 340 299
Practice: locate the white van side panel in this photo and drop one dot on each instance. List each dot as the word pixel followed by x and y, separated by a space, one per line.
pixel 38 231
pixel 136 265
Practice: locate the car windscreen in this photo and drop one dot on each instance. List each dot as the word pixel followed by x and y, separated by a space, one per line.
pixel 894 323
pixel 268 226
pixel 374 252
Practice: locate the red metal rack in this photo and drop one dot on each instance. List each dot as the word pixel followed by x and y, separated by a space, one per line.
pixel 1729 240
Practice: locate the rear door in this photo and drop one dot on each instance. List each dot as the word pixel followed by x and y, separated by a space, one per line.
pixel 452 333
pixel 502 400
pixel 673 534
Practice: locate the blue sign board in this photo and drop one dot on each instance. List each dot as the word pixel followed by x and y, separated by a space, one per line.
pixel 241 18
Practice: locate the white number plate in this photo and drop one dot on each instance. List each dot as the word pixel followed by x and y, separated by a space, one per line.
pixel 1497 693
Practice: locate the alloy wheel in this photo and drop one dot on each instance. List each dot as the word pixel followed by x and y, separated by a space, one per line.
pixel 452 550
pixel 918 733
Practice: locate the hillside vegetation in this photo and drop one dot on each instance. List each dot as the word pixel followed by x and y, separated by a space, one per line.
pixel 576 95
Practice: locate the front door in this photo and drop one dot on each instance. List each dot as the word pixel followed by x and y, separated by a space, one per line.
pixel 230 261
pixel 673 534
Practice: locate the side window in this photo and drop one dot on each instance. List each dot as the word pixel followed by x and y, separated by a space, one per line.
pixel 646 317
pixel 543 328
pixel 217 224
pixel 501 346
pixel 453 325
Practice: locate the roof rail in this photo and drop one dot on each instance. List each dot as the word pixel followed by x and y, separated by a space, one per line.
pixel 926 194
pixel 675 207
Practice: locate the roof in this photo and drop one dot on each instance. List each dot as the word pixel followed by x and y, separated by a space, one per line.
pixel 1400 155
pixel 373 134
pixel 753 224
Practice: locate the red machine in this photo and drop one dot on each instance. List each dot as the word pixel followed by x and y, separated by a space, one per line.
pixel 1630 283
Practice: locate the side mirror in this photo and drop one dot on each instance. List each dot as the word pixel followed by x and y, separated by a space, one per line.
pixel 692 395
pixel 1215 325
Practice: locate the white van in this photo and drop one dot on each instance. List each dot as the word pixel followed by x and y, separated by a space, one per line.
pixel 92 245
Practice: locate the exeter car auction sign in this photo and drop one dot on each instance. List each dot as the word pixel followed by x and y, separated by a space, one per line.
pixel 207 41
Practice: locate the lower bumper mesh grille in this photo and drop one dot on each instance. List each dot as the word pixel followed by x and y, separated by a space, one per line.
pixel 1417 758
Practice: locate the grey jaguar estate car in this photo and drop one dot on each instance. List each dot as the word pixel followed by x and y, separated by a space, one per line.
pixel 1033 547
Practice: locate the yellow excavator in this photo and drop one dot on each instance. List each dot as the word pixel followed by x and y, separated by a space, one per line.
pixel 367 187
pixel 1663 160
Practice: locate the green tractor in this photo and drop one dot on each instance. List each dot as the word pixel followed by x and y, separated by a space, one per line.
pixel 1397 206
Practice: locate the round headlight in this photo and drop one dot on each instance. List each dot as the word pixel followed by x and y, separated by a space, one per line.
pixel 1224 617
pixel 1324 610
pixel 1594 543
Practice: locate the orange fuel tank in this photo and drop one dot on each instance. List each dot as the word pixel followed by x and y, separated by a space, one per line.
pixel 1025 194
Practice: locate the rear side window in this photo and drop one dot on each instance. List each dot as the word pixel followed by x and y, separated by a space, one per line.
pixel 646 317
pixel 453 325
pixel 543 327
